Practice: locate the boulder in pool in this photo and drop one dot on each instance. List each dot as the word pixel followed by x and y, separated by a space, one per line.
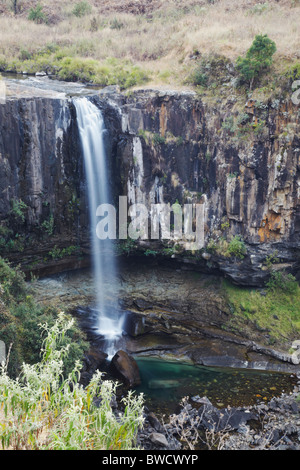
pixel 126 369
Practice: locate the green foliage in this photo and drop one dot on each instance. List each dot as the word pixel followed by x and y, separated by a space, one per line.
pixel 16 244
pixel 199 78
pixel 25 54
pixel 282 281
pixel 12 236
pixel 259 127
pixel 126 247
pixel 210 72
pixel 258 59
pixel 240 128
pixel 68 65
pixel 275 311
pixel 271 259
pixel 116 24
pixel 170 250
pixel 44 410
pixel 225 225
pixel 12 283
pixel 84 70
pixel 112 72
pixel 82 9
pixel 237 247
pixel 151 253
pixel 59 253
pixel 48 225
pixel 294 72
pixel 74 206
pixel 20 316
pixel 37 14
pixel 19 209
pixel 179 141
pixel 158 139
pixel 142 133
pixel 229 124
pixel 5 238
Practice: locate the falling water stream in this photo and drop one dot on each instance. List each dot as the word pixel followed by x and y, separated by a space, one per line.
pixel 92 131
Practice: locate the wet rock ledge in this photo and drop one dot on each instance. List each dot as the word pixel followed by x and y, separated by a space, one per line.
pixel 170 312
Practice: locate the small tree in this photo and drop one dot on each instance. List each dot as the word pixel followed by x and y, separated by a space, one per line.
pixel 82 9
pixel 258 59
pixel 37 14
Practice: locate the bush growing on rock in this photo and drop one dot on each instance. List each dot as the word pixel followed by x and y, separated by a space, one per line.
pixel 237 247
pixel 258 59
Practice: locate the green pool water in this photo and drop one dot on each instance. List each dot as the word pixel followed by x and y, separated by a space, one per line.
pixel 165 383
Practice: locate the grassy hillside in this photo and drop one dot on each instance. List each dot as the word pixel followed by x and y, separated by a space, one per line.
pixel 160 42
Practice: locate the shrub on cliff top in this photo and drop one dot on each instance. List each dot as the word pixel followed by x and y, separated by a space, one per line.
pixel 258 59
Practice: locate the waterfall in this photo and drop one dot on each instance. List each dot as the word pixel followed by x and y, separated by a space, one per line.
pixel 109 321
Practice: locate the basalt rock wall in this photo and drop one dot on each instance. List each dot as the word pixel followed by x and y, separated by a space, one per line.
pixel 241 163
pixel 41 179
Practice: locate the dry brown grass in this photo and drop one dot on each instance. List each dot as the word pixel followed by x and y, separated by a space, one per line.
pixel 159 35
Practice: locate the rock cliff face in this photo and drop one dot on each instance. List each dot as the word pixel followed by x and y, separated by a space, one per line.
pixel 240 162
pixel 40 179
pixel 34 152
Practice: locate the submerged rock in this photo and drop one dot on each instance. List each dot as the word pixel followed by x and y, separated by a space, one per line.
pixel 161 383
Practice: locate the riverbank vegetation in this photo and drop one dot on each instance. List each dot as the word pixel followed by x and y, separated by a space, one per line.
pixel 20 317
pixel 272 312
pixel 131 43
pixel 41 410
pixel 42 404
